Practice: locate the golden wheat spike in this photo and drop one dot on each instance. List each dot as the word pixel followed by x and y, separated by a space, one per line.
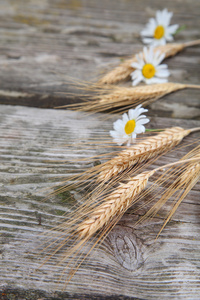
pixel 123 71
pixel 145 150
pixel 132 96
pixel 117 202
pixel 115 96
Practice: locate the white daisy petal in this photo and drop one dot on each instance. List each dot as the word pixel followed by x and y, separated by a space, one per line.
pixel 142 121
pixel 157 80
pixel 159 59
pixel 169 38
pixel 137 80
pixel 162 41
pixel 114 134
pixel 135 74
pixel 136 65
pixel 118 124
pixel 152 24
pixel 139 59
pixel 162 67
pixel 119 141
pixel 167 17
pixel 139 129
pixel 157 55
pixel 146 32
pixel 146 54
pixel 172 29
pixel 163 73
pixel 150 27
pixel 147 40
pixel 158 42
pixel 133 135
pixel 159 17
pixel 131 114
pixel 142 116
pixel 139 112
pixel 150 55
pixel 125 118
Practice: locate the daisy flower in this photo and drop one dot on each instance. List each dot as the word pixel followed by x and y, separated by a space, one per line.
pixel 125 130
pixel 148 68
pixel 158 31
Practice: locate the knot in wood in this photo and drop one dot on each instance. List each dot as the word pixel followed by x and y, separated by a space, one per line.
pixel 127 248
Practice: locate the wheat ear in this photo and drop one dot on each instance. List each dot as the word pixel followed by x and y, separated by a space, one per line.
pixel 123 71
pixel 145 150
pixel 116 203
pixel 115 96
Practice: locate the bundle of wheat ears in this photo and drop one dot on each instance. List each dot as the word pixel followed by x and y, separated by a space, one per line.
pixel 118 183
pixel 89 223
pixel 107 96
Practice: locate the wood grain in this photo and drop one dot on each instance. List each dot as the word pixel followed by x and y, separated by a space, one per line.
pixel 130 264
pixel 45 48
pixel 45 43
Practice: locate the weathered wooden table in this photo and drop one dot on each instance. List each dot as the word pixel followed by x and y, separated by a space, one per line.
pixel 43 44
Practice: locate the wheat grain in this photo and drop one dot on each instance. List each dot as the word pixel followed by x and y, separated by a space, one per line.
pixel 145 150
pixel 123 71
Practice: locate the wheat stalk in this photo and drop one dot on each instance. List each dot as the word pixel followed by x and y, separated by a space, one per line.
pixel 123 71
pixel 145 150
pixel 114 96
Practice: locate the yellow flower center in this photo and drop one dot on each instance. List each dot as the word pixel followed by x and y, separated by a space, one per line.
pixel 130 126
pixel 148 71
pixel 159 32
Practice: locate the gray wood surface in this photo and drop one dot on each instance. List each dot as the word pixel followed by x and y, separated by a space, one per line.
pixel 46 46
pixel 44 43
pixel 130 262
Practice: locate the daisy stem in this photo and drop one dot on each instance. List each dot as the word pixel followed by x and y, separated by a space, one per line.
pixel 153 130
pixel 181 28
pixel 192 43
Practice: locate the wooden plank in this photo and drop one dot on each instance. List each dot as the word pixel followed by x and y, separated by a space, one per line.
pixel 130 264
pixel 43 43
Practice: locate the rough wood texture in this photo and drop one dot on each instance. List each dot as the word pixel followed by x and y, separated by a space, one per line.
pixel 43 43
pixel 130 264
